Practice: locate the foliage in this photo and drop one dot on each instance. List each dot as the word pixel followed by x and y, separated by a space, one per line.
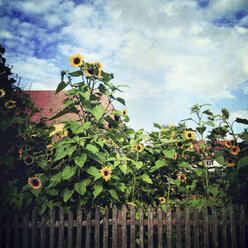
pixel 98 161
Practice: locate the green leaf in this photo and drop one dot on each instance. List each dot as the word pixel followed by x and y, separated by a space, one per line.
pixel 122 101
pixel 80 160
pixel 123 167
pixel 98 190
pixel 184 165
pixel 220 160
pixel 214 191
pixel 92 170
pixel 75 73
pixel 86 125
pixel 67 194
pixel 199 172
pixel 60 153
pixel 157 125
pixel 243 121
pixel 92 148
pixel 66 110
pixel 80 188
pixel 210 123
pixel 60 87
pixel 114 194
pixel 201 130
pixel 146 178
pixel 243 162
pixel 139 164
pixel 68 172
pixel 160 163
pixel 170 153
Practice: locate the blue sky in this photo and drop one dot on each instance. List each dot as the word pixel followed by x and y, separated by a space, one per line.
pixel 172 53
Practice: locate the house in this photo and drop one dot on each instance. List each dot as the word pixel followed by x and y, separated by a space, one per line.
pixel 51 103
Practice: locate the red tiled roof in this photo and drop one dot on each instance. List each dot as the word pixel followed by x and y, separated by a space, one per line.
pixel 51 103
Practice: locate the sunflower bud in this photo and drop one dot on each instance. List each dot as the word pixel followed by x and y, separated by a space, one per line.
pixel 225 113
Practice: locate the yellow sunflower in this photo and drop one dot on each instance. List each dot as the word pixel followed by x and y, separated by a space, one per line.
pixel 90 71
pixel 2 93
pixel 50 146
pixel 235 150
pixel 180 144
pixel 171 126
pixel 116 117
pixel 99 69
pixel 20 152
pixel 172 135
pixel 10 104
pixel 182 177
pixel 228 143
pixel 109 127
pixel 230 162
pixel 139 148
pixel 34 182
pixel 28 160
pixel 189 134
pixel 175 156
pixel 122 140
pixel 162 200
pixel 190 147
pixel 76 60
pixel 124 113
pixel 106 173
pixel 49 152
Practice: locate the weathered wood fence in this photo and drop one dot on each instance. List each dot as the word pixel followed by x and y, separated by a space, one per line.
pixel 128 227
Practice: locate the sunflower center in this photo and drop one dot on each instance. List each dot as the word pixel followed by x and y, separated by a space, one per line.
pixel 106 173
pixel 116 118
pixel 35 182
pixel 230 161
pixel 179 144
pixel 189 135
pixel 234 149
pixel 29 160
pixel 91 71
pixel 76 61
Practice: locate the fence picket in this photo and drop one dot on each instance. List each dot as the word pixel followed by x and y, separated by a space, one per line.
pixel 16 236
pixel 132 227
pixel 97 228
pixel 8 231
pixel 187 228
pixel 141 227
pixel 242 227
pixel 214 227
pixel 114 227
pixel 61 227
pixel 196 228
pixel 150 227
pixel 205 227
pixel 160 227
pixel 105 228
pixel 52 228
pixel 25 231
pixel 178 228
pixel 88 230
pixel 34 229
pixel 233 227
pixel 124 226
pixel 79 229
pixel 43 232
pixel 70 229
pixel 224 227
pixel 168 227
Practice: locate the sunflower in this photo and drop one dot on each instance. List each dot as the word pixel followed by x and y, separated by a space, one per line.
pixel 90 71
pixel 109 127
pixel 228 143
pixel 76 60
pixel 230 162
pixel 139 148
pixel 20 152
pixel 122 140
pixel 2 93
pixel 124 113
pixel 10 104
pixel 99 69
pixel 161 199
pixel 235 150
pixel 175 156
pixel 171 126
pixel 49 152
pixel 189 134
pixel 182 177
pixel 172 135
pixel 28 160
pixel 58 129
pixel 116 117
pixel 106 171
pixel 50 146
pixel 64 134
pixel 180 144
pixel 49 158
pixel 34 182
pixel 190 147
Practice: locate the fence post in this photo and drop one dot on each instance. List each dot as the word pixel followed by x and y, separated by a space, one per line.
pixel 114 226
pixel 70 229
pixel 43 232
pixel 132 227
pixel 214 227
pixel 223 226
pixel 160 227
pixel 205 227
pixel 141 227
pixel 124 226
pixel 242 226
pixel 187 228
pixel 16 239
pixel 34 229
pixel 79 229
pixel 233 227
pixel 168 227
pixel 178 228
pixel 25 231
pixel 61 227
pixel 52 228
pixel 105 228
pixel 150 227
pixel 97 228
pixel 196 228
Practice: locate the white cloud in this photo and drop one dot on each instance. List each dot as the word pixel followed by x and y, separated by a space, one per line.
pixel 52 21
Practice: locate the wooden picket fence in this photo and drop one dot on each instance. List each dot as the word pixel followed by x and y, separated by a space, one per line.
pixel 178 227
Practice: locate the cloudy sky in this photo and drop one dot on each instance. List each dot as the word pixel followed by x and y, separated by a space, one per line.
pixel 172 53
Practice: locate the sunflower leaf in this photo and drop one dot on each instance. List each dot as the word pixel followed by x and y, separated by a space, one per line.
pixel 75 73
pixel 170 153
pixel 67 194
pixel 92 171
pixel 80 188
pixel 220 160
pixel 114 194
pixel 121 100
pixel 68 172
pixel 61 86
pixel 146 178
pixel 243 162
pixel 98 190
pixel 80 160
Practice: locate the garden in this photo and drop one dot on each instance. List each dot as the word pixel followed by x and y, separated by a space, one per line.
pixel 98 161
